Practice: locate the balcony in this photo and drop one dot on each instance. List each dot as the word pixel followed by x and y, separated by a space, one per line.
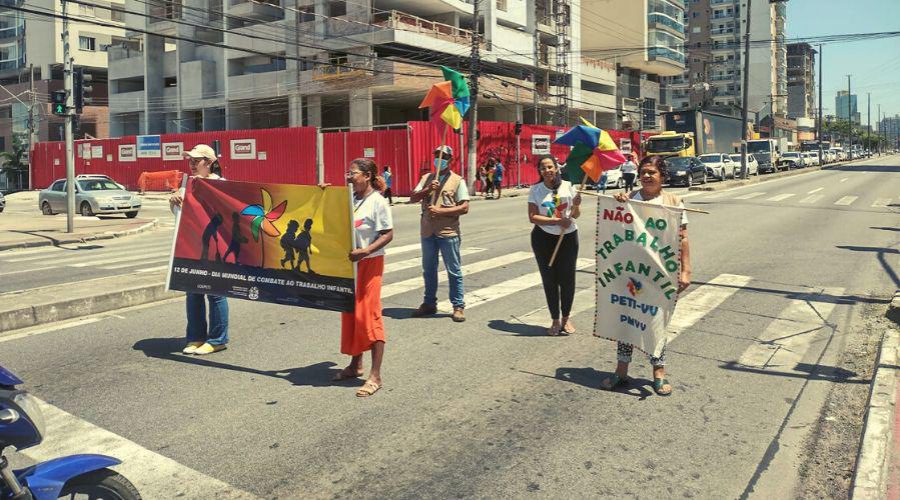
pixel 258 10
pixel 11 32
pixel 657 53
pixel 666 21
pixel 723 14
pixel 402 21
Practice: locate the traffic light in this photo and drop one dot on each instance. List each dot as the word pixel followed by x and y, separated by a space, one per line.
pixel 58 102
pixel 82 91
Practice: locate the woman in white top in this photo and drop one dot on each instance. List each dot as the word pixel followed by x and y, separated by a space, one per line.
pixel 653 174
pixel 363 329
pixel 553 206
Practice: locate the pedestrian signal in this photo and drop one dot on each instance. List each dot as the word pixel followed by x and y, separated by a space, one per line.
pixel 58 102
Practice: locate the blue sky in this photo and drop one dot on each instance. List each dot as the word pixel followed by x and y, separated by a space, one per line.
pixel 875 65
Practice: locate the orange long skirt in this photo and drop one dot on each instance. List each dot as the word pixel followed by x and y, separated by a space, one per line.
pixel 364 326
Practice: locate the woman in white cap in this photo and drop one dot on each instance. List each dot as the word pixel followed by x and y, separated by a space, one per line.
pixel 203 337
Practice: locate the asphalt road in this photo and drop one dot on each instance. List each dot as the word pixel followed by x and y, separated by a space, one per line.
pixel 492 407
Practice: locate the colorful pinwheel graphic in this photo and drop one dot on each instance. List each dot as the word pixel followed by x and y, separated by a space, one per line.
pixel 263 217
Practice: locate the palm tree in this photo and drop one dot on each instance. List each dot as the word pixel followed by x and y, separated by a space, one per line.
pixel 12 164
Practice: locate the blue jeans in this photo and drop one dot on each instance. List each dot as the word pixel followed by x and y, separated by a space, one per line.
pixel 449 248
pixel 196 319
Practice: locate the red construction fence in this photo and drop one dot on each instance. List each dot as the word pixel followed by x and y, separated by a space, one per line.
pixel 289 155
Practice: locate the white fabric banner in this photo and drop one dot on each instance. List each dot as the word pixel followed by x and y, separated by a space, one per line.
pixel 638 263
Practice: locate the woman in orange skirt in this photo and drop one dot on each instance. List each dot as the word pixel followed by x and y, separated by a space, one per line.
pixel 363 329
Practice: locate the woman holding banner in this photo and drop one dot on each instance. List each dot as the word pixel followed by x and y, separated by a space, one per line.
pixel 653 174
pixel 553 206
pixel 363 329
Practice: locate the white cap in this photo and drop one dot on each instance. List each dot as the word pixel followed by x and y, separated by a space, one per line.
pixel 202 151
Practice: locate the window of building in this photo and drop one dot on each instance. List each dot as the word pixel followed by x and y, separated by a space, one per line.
pixel 117 16
pixel 337 9
pixel 501 5
pixel 597 87
pixel 85 10
pixel 87 43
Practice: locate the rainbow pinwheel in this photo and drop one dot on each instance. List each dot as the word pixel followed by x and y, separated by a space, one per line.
pixel 593 149
pixel 448 101
pixel 264 215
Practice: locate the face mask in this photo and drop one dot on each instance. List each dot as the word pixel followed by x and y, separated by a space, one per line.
pixel 441 163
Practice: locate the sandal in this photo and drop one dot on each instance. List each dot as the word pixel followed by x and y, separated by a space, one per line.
pixel 553 331
pixel 660 387
pixel 613 382
pixel 569 328
pixel 368 389
pixel 346 374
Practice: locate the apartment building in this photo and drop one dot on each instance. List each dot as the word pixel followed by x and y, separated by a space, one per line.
pixel 801 74
pixel 644 39
pixel 714 50
pixel 31 48
pixel 194 65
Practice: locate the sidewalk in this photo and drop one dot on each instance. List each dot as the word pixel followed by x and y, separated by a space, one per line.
pixel 877 472
pixel 29 228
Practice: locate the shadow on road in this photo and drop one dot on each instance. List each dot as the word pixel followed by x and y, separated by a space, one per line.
pixel 591 378
pixel 806 296
pixel 883 228
pixel 866 168
pixel 518 329
pixel 881 258
pixel 406 313
pixel 317 375
pixel 807 371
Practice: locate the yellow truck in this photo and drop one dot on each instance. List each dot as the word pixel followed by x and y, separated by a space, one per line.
pixel 670 143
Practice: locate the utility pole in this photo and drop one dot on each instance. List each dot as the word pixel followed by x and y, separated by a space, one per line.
pixel 534 79
pixel 819 119
pixel 849 122
pixel 880 141
pixel 475 68
pixel 32 125
pixel 518 139
pixel 745 91
pixel 70 107
pixel 869 120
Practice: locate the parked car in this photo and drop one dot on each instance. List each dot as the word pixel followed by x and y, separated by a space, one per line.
pixel 792 159
pixel 2 202
pixel 839 154
pixel 93 196
pixel 811 158
pixel 752 164
pixel 686 170
pixel 719 165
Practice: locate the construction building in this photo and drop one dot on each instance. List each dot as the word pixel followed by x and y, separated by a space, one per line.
pixel 239 64
pixel 801 74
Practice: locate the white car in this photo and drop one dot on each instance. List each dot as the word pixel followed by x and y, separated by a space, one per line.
pixel 719 165
pixel 752 164
pixel 812 159
pixel 614 178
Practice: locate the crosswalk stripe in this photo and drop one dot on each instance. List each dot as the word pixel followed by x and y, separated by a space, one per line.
pixel 812 199
pixel 402 249
pixel 846 200
pixel 484 265
pixel 780 197
pixel 704 299
pixel 487 294
pixel 74 255
pixel 131 256
pixel 881 203
pixel 154 475
pixel 816 190
pixel 144 262
pixel 417 262
pixel 844 179
pixel 585 300
pixel 749 195
pixel 784 342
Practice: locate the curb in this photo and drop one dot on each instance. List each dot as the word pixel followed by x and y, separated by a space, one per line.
pixel 893 313
pixel 93 237
pixel 770 177
pixel 82 306
pixel 872 471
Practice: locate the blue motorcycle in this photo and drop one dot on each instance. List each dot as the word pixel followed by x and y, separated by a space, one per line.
pixel 76 476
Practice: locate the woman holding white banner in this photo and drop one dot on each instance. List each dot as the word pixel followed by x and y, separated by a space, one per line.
pixel 363 329
pixel 553 206
pixel 653 174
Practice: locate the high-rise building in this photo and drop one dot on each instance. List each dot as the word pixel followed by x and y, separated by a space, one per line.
pixel 347 64
pixel 713 76
pixel 31 47
pixel 841 109
pixel 801 81
pixel 645 40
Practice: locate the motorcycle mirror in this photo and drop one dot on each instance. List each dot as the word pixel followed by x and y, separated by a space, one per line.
pixel 8 416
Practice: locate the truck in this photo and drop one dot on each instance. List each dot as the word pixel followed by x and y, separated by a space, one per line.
pixel 693 132
pixel 768 153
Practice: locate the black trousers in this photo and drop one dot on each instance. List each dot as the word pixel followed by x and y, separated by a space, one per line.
pixel 389 196
pixel 559 280
pixel 629 181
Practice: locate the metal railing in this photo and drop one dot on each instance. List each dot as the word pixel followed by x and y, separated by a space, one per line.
pixel 667 53
pixel 655 17
pixel 398 20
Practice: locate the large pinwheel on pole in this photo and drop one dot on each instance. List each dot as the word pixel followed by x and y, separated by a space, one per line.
pixel 448 102
pixel 593 152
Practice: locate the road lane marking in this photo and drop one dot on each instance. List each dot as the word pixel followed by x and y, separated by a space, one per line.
pixel 787 338
pixel 846 200
pixel 154 475
pixel 82 254
pixel 127 258
pixel 704 299
pixel 844 179
pixel 780 197
pixel 881 203
pixel 417 262
pixel 402 249
pixel 812 199
pixel 584 301
pixel 52 328
pixel 143 262
pixel 815 190
pixel 484 265
pixel 750 195
pixel 493 292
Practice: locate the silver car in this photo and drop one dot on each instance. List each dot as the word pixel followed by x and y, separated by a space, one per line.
pixel 93 196
pixel 752 164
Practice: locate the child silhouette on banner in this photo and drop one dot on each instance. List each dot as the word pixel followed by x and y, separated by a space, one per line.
pixel 236 238
pixel 303 244
pixel 211 233
pixel 287 243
